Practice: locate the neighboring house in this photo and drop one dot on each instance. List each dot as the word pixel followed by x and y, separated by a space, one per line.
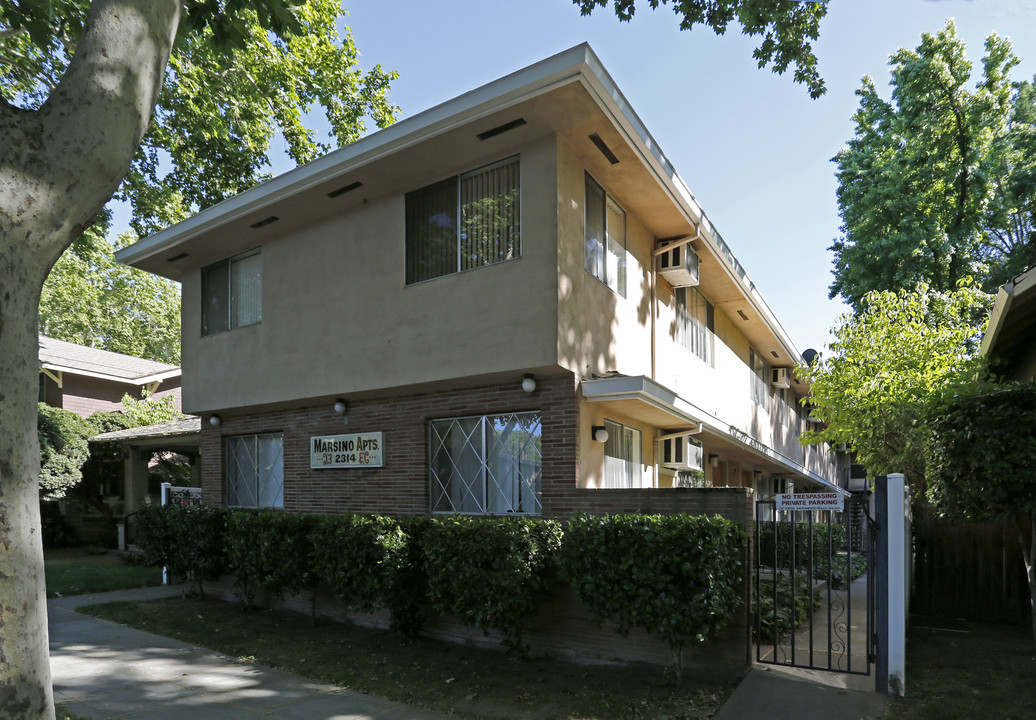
pixel 86 380
pixel 1010 338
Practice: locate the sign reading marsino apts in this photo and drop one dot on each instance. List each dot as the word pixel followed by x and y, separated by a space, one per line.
pixel 355 450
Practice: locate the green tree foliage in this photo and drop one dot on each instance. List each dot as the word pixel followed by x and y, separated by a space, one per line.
pixel 886 368
pixel 982 463
pixel 90 299
pixel 938 183
pixel 149 410
pixel 63 450
pixel 788 29
pixel 218 112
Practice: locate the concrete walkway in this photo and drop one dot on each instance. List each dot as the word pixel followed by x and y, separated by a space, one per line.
pixel 104 670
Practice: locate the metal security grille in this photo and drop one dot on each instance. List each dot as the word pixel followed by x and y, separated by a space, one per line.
pixel 488 464
pixel 255 470
pixel 809 611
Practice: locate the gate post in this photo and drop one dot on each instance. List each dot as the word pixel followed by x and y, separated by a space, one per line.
pixel 892 582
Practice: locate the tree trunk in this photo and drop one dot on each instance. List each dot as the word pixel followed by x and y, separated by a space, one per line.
pixel 58 167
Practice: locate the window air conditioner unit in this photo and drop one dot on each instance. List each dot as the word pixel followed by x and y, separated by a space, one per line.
pixel 779 378
pixel 679 266
pixel 681 453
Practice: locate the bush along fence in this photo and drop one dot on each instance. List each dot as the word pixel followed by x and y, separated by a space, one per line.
pixel 678 577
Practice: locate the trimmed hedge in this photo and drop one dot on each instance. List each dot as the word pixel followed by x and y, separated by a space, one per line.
pixel 679 577
pixel 491 573
pixel 187 539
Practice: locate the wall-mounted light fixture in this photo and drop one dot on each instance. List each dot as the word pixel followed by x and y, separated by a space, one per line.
pixel 714 460
pixel 214 420
pixel 529 383
pixel 341 407
pixel 599 433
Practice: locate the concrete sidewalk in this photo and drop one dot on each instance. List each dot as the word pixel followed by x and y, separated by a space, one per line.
pixel 104 670
pixel 782 693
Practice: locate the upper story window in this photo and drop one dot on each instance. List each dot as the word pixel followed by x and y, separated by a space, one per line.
pixel 232 293
pixel 466 221
pixel 605 234
pixel 760 378
pixel 695 322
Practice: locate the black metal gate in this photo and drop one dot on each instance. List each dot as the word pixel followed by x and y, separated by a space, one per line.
pixel 813 587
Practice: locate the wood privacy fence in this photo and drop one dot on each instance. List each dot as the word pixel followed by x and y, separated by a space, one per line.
pixel 968 570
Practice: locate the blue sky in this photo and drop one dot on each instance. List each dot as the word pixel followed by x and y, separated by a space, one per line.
pixel 752 146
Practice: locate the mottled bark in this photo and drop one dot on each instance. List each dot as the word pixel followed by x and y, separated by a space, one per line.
pixel 58 167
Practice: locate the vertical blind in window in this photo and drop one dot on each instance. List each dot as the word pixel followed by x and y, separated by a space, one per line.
pixel 622 464
pixel 465 222
pixel 695 322
pixel 605 238
pixel 232 293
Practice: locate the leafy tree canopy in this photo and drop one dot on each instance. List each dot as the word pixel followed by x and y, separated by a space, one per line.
pixel 888 365
pixel 788 29
pixel 92 300
pixel 939 182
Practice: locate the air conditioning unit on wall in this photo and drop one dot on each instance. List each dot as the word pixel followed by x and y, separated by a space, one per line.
pixel 679 265
pixel 780 378
pixel 681 453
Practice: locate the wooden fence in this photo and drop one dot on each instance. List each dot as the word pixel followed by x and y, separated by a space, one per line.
pixel 968 570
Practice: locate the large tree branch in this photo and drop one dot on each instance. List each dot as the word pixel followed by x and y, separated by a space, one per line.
pixel 62 163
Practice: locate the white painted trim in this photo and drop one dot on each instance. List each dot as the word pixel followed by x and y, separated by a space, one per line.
pixel 649 392
pixel 899 581
pixel 143 380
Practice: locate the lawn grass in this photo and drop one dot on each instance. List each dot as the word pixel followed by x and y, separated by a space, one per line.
pixel 76 572
pixel 462 680
pixel 962 671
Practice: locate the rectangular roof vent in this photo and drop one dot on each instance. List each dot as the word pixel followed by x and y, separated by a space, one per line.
pixel 605 150
pixel 501 129
pixel 343 190
pixel 265 221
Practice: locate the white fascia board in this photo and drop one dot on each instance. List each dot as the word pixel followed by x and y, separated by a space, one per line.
pixel 651 393
pixel 544 76
pixel 614 104
pixel 1005 296
pixel 91 374
pixel 158 377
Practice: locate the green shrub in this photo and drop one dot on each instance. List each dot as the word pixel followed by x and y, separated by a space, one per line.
pixel 679 577
pixel 821 534
pixel 491 573
pixel 269 550
pixel 844 564
pixel 187 539
pixel 63 450
pixel 778 615
pixel 358 557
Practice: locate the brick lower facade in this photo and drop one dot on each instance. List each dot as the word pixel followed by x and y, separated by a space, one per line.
pixel 401 487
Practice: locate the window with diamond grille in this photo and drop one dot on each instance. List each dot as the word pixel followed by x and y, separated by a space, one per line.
pixel 255 471
pixel 487 464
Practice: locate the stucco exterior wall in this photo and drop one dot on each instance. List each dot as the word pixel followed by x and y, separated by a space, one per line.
pixel 338 318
